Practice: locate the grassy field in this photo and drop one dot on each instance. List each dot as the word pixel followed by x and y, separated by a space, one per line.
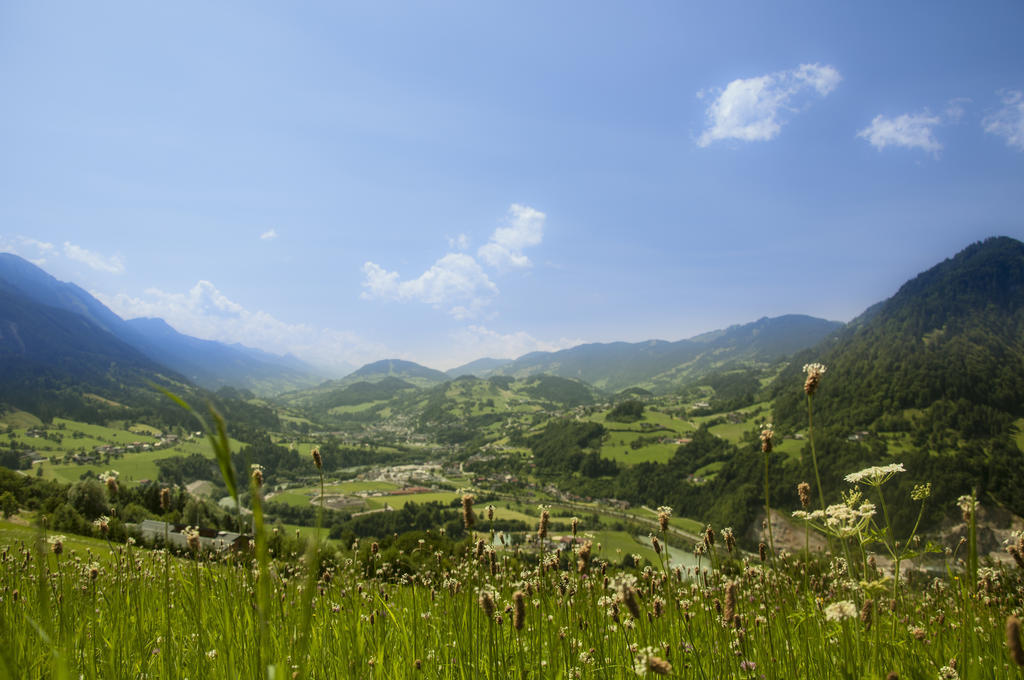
pixel 131 466
pixel 87 612
pixel 19 420
pixel 617 446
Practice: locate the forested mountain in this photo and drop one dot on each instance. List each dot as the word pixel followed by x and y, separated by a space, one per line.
pixel 54 362
pixel 947 348
pixel 397 368
pixel 480 367
pixel 207 363
pixel 663 366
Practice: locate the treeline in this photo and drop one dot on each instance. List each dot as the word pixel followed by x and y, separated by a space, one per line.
pixel 735 495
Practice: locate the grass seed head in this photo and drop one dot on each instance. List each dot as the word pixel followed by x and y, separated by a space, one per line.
pixel 542 528
pixel 518 610
pixel 165 499
pixel 865 613
pixel 767 434
pixel 730 601
pixel 257 475
pixel 468 518
pixel 814 372
pixel 803 490
pixel 317 460
pixel 1013 641
pixel 487 604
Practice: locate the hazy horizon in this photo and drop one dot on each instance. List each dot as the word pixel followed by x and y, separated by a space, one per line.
pixel 441 184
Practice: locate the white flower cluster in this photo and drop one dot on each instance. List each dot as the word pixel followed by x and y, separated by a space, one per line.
pixel 843 609
pixel 815 369
pixel 875 476
pixel 840 520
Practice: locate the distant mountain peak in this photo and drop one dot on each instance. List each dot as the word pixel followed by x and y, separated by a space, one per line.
pixel 398 368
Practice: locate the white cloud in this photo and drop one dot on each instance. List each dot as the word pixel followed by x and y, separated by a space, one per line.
pixel 268 235
pixel 478 341
pixel 456 279
pixel 750 109
pixel 955 109
pixel 505 248
pixel 205 312
pixel 910 130
pixel 112 264
pixel 460 242
pixel 1008 121
pixel 31 249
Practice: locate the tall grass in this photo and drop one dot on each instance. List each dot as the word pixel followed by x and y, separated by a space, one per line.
pixel 493 612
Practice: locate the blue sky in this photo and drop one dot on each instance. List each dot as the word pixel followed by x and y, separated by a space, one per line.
pixel 446 181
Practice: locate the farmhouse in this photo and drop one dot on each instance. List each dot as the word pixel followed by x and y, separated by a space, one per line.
pixel 210 540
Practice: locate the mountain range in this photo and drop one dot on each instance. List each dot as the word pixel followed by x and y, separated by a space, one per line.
pixel 663 366
pixel 955 332
pixel 51 323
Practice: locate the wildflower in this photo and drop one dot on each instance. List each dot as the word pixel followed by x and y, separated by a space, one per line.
pixel 468 518
pixel 729 538
pixel 875 476
pixel 664 514
pixel 948 673
pixel 767 433
pixel 490 512
pixel 656 545
pixel 57 544
pixel 748 666
pixel 94 571
pixel 257 474
pixel 212 654
pixel 110 479
pixel 814 372
pixel 192 538
pixel 838 611
pixel 102 523
pixel 967 506
pixel 542 528
pixel 709 537
pixel 646 660
pixel 921 491
pixel 583 557
pixel 317 460
pixel 165 499
pixel 575 525
pixel 803 489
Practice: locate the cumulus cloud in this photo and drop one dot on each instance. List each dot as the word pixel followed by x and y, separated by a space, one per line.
pixel 206 312
pixel 480 341
pixel 456 280
pixel 111 265
pixel 1008 121
pixel 753 109
pixel 31 249
pixel 268 235
pixel 910 131
pixel 525 227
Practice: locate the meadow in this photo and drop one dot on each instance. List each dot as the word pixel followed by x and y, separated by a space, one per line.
pixel 82 608
pixel 589 602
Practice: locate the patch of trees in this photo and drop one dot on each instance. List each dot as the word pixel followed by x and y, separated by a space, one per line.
pixel 559 391
pixel 628 411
